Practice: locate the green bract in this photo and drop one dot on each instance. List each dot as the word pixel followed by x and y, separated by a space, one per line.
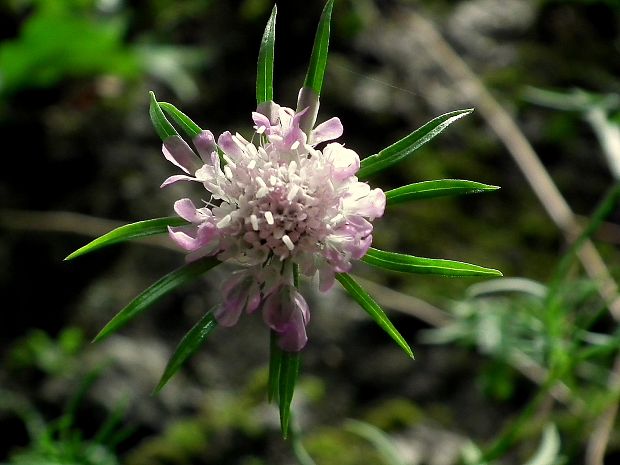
pixel 188 346
pixel 406 146
pixel 183 275
pixel 128 232
pixel 437 188
pixel 410 264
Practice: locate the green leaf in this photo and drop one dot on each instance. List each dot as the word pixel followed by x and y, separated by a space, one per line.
pixel 129 232
pixel 188 346
pixel 373 309
pixel 406 146
pixel 436 188
pixel 410 264
pixel 162 126
pixel 264 72
pixel 318 59
pixel 187 125
pixel 275 361
pixel 289 370
pixel 283 373
pixel 165 285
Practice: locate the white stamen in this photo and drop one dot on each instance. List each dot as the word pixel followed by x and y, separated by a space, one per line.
pixel 229 161
pixel 251 149
pixel 252 165
pixel 262 192
pixel 293 193
pixel 269 217
pixel 261 129
pixel 294 147
pixel 224 222
pixel 337 219
pixel 288 242
pixel 260 182
pixel 254 221
pixel 228 172
pixel 239 140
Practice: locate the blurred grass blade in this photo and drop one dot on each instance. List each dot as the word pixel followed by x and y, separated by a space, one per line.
pixel 183 275
pixel 129 232
pixel 548 452
pixel 188 346
pixel 190 128
pixel 264 72
pixel 70 410
pixel 382 443
pixel 289 370
pixel 436 188
pixel 372 308
pixel 320 49
pixel 406 146
pixel 410 264
pixel 604 209
pixel 162 126
pixel 111 423
pixel 275 362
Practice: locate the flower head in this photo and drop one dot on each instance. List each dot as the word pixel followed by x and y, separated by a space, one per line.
pixel 276 200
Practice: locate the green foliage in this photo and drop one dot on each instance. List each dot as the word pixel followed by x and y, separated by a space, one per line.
pixel 47 51
pixel 436 188
pixel 371 307
pixel 283 373
pixel 264 72
pixel 288 373
pixel 129 232
pixel 394 414
pixel 183 275
pixel 410 264
pixel 52 356
pixel 334 446
pixel 380 440
pixel 406 146
pixel 318 58
pixel 188 346
pixel 162 126
pixel 61 442
pixel 190 128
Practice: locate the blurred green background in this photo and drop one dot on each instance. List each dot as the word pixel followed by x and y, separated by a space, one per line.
pixel 79 153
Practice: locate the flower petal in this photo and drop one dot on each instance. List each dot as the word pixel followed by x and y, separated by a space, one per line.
pixel 261 121
pixel 328 130
pixel 228 313
pixel 186 209
pixel 178 153
pixel 227 143
pixel 294 337
pixel 361 200
pixel 181 237
pixel 327 277
pixel 286 312
pixel 205 144
pixel 345 162
pixel 175 178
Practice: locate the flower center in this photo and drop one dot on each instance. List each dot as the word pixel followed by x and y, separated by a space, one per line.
pixel 284 209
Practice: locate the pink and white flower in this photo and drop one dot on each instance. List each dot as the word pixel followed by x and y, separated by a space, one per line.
pixel 276 201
